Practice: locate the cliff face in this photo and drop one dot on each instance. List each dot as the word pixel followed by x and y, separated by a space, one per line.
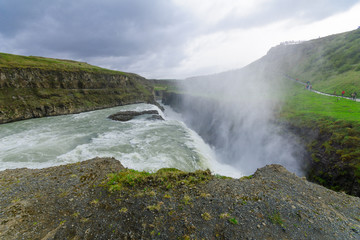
pixel 34 92
pixel 76 202
pixel 42 78
pixel 319 164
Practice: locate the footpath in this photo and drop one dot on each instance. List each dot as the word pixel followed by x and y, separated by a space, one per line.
pixel 318 92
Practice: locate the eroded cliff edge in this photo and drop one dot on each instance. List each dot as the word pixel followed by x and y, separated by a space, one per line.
pixel 326 157
pixel 30 92
pixel 75 202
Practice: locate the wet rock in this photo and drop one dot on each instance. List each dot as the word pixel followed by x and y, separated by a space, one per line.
pixel 155 117
pixel 128 115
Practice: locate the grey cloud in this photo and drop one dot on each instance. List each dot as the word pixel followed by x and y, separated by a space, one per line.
pixel 93 28
pixel 141 35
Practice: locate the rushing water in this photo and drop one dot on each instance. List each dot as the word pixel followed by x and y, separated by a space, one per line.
pixel 139 144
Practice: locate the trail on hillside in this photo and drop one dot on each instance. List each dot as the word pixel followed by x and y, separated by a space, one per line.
pixel 318 92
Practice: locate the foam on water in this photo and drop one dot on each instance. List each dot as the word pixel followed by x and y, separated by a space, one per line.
pixel 139 144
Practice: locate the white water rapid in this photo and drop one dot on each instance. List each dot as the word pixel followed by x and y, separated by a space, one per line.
pixel 139 144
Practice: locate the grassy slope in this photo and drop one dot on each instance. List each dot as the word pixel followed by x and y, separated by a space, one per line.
pixel 301 103
pixel 331 63
pixel 17 61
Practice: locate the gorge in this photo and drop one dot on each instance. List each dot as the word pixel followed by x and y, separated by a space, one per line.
pixel 111 197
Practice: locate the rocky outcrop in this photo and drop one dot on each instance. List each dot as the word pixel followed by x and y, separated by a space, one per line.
pixel 333 157
pixel 32 92
pixel 75 202
pixel 128 115
pixel 43 78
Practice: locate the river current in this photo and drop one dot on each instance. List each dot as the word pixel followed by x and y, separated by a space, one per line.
pixel 139 144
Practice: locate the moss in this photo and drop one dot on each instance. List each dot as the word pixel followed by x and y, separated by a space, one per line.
pixel 320 180
pixel 186 199
pixel 156 207
pixel 168 196
pixel 163 178
pixel 222 177
pixel 224 215
pixel 314 158
pixel 75 214
pixel 206 216
pixel 275 218
pixel 205 195
pixel 95 201
pixel 246 177
pixel 233 221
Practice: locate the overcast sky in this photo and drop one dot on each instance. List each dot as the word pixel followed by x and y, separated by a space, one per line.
pixel 167 38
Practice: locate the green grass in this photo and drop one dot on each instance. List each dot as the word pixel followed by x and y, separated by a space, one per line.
pixel 276 218
pixel 348 81
pixel 331 63
pixel 336 122
pixel 233 221
pixel 307 105
pixel 166 178
pixel 17 61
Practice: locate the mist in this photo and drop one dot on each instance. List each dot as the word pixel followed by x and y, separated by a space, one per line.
pixel 235 112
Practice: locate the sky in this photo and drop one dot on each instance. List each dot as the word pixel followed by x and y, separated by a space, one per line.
pixel 167 38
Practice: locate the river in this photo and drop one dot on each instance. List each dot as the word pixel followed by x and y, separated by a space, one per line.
pixel 139 144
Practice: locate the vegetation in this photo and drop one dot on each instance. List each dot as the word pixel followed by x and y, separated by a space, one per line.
pixel 334 124
pixel 206 216
pixel 275 218
pixel 309 106
pixel 331 64
pixel 17 61
pixel 233 221
pixel 166 178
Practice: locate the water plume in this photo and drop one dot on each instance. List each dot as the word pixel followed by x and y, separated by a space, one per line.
pixel 235 113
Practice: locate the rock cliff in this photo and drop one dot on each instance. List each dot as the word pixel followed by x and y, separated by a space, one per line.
pixel 319 164
pixel 36 92
pixel 79 201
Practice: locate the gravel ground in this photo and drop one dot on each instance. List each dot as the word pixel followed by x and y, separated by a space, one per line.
pixel 72 202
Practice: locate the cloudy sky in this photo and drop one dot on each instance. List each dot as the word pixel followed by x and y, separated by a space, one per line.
pixel 167 38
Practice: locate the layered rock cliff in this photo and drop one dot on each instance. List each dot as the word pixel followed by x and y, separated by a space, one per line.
pixel 36 92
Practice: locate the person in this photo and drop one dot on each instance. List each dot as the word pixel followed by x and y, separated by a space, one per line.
pixel 355 93
pixel 335 93
pixel 343 93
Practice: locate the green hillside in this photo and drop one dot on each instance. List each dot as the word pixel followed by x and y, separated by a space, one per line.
pixel 328 126
pixel 331 63
pixel 18 61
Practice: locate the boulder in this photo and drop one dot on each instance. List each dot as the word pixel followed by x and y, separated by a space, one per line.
pixel 128 115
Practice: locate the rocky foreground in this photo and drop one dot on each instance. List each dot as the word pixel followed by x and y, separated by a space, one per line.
pixel 79 201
